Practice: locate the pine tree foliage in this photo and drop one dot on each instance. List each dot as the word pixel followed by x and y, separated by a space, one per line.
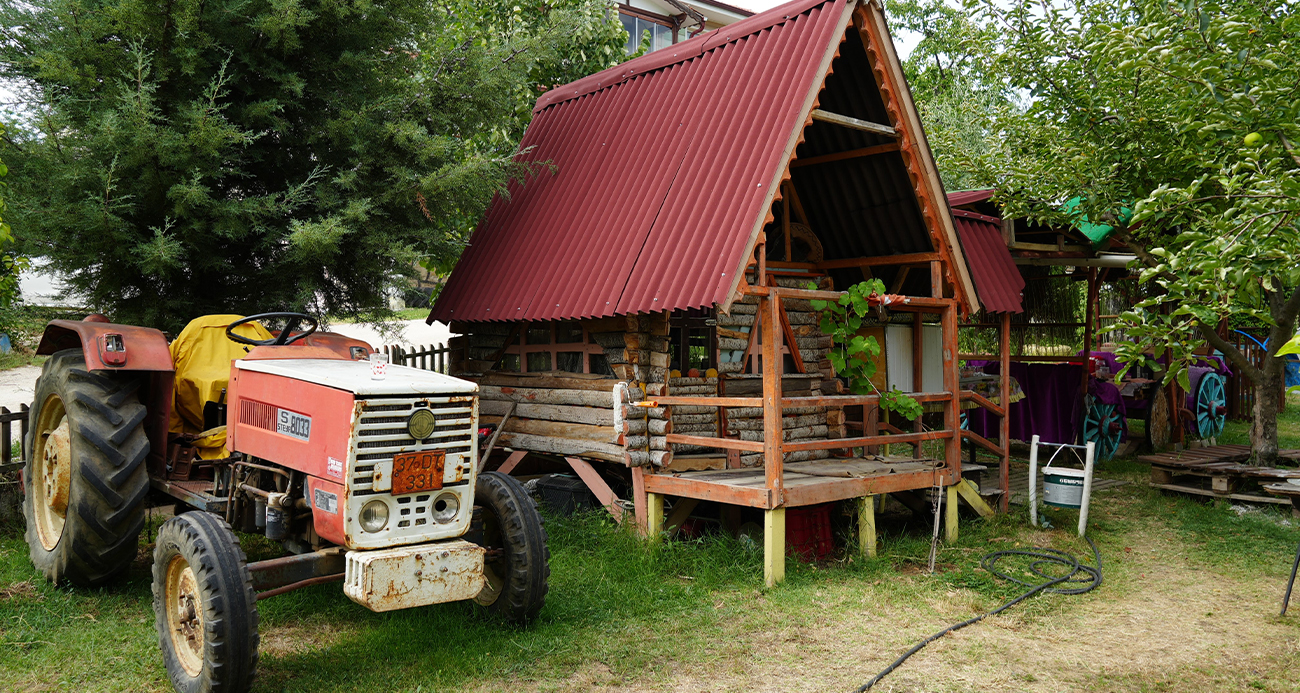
pixel 182 157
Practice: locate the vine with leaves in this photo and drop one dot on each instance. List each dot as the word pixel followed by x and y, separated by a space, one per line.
pixel 853 355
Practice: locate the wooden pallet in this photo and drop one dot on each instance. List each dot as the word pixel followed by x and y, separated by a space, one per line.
pixel 1218 471
pixel 1286 493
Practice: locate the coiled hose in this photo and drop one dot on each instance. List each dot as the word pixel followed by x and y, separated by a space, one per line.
pixel 1088 577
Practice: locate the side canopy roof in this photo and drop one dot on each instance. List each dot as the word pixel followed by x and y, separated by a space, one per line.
pixel 666 169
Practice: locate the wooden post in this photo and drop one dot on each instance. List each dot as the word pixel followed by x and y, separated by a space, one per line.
pixel 952 408
pixel 918 371
pixel 640 508
pixel 773 546
pixel 1090 317
pixel 936 279
pixel 1004 426
pixel 867 526
pixel 773 445
pixel 951 415
pixel 654 525
pixel 950 516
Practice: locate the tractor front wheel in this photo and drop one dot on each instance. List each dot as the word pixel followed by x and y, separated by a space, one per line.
pixel 85 482
pixel 517 565
pixel 205 609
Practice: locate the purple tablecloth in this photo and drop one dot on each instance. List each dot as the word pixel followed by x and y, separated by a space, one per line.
pixel 1048 409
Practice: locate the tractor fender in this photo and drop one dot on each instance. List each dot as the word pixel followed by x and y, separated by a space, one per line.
pixel 109 347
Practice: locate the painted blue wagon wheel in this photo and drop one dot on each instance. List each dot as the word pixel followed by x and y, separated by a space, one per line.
pixel 1103 425
pixel 1211 405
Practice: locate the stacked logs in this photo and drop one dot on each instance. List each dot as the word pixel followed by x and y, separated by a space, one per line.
pixel 694 420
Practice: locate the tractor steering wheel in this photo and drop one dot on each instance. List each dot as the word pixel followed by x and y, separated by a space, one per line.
pixel 286 336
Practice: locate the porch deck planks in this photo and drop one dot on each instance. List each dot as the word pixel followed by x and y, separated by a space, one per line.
pixel 830 480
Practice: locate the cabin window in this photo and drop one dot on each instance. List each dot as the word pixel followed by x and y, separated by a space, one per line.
pixel 692 340
pixel 539 347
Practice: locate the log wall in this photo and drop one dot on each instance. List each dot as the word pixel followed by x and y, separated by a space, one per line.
pixel 572 413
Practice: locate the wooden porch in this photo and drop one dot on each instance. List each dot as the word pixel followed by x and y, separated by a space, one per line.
pixel 860 472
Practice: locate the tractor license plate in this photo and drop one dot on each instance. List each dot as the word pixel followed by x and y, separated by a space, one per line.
pixel 418 471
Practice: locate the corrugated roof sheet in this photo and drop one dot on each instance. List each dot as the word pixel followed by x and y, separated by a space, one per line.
pixel 657 182
pixel 663 169
pixel 997 279
pixel 966 197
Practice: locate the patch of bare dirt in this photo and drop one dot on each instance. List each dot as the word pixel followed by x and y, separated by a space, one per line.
pixel 299 638
pixel 20 590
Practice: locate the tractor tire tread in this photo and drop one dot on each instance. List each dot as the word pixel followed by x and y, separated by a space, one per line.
pixel 109 447
pixel 524 591
pixel 230 604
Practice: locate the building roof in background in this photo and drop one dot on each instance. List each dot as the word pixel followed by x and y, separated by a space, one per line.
pixel 664 175
pixel 966 197
pixel 998 281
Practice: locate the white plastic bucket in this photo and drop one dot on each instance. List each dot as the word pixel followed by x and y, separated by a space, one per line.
pixel 1063 487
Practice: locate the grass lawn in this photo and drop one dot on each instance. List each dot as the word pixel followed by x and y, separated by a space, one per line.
pixel 1189 603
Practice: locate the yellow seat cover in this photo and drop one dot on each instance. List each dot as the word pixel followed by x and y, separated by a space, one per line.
pixel 201 355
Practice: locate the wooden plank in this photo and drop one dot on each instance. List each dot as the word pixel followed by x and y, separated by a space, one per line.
pixel 557 429
pixel 950 516
pixel 858 400
pixel 773 546
pixel 1004 392
pixel 512 461
pixel 971 494
pixel 597 486
pixel 850 154
pixel 681 511
pixel 867 526
pixel 1234 496
pixel 878 261
pixel 982 442
pixel 853 123
pixel 573 398
pixel 983 402
pixel 867 440
pixel 673 485
pixel 791 344
pixel 720 443
pixel 675 400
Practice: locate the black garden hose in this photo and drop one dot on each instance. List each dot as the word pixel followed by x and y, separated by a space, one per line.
pixel 1088 577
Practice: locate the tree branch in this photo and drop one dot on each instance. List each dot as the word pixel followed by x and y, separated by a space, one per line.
pixel 1234 354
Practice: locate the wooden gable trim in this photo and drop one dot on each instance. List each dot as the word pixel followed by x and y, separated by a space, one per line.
pixel 870 21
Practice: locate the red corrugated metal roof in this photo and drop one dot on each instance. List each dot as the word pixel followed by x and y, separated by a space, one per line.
pixel 965 197
pixel 658 182
pixel 997 279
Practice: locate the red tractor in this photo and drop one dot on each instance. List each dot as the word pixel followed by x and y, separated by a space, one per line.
pixel 364 473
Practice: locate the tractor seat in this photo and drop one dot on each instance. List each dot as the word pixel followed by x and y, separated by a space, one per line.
pixel 201 355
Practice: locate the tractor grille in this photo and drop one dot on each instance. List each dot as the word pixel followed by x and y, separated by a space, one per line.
pixel 380 433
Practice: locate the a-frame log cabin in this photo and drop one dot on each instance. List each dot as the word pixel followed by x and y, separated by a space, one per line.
pixel 695 194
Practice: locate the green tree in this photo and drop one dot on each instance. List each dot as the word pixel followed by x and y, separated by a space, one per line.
pixel 193 156
pixel 1187 114
pixel 953 92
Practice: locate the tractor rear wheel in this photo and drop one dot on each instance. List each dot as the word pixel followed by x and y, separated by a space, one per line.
pixel 85 482
pixel 518 561
pixel 205 609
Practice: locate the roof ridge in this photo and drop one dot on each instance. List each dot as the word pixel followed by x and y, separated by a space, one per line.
pixel 677 53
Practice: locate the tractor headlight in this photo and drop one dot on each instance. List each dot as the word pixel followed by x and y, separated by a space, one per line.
pixel 374 516
pixel 445 507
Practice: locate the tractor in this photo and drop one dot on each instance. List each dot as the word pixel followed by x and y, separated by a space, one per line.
pixel 364 473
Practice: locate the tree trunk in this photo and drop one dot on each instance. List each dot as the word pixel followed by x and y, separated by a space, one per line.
pixel 1268 400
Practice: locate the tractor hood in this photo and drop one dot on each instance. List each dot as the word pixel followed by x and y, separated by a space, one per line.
pixel 355 377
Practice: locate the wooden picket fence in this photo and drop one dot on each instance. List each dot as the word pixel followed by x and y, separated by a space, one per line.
pixel 12 457
pixel 434 357
pixel 1240 389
